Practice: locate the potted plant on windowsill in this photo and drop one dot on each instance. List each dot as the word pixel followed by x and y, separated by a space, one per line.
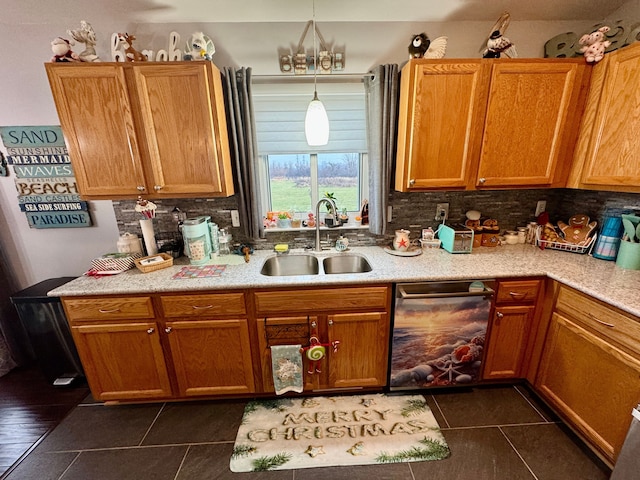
pixel 284 220
pixel 329 219
pixel 344 217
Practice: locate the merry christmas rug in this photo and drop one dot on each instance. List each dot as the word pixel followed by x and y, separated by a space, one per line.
pixel 291 433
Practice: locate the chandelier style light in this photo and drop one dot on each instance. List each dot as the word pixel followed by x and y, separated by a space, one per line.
pixel 316 122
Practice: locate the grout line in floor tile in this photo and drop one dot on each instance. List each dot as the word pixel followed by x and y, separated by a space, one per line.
pixel 182 462
pixel 440 410
pixel 528 424
pixel 152 423
pixel 69 466
pixel 140 447
pixel 518 453
pixel 413 476
pixel 530 403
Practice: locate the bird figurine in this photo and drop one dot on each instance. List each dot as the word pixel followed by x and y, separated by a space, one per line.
pixel 422 47
pixel 497 44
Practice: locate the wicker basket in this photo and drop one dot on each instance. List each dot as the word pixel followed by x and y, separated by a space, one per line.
pixel 145 265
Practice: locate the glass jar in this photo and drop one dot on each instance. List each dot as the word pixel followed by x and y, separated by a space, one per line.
pixel 224 242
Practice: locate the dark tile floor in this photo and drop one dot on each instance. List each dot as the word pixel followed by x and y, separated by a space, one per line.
pixel 493 432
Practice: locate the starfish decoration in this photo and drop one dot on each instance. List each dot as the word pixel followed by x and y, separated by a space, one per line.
pixel 357 449
pixel 367 402
pixel 402 243
pixel 314 451
pixel 449 368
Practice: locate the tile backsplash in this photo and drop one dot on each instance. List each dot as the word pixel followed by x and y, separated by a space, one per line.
pixel 412 211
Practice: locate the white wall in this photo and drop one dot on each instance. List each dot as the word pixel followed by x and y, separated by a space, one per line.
pixel 25 99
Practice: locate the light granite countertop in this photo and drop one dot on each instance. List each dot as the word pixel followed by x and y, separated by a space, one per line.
pixel 600 279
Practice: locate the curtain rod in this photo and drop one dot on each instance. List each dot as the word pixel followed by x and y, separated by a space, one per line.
pixel 324 78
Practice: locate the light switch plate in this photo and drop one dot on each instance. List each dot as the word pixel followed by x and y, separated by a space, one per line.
pixel 235 218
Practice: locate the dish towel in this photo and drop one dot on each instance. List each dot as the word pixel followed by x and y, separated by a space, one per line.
pixel 286 365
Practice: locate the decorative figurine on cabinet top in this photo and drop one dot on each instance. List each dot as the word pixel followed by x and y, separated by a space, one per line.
pixel 199 47
pixel 131 54
pixel 594 45
pixel 497 43
pixel 86 35
pixel 422 47
pixel 61 48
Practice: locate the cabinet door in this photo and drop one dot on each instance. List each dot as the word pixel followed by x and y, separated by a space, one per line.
pixel 95 114
pixel 273 331
pixel 442 107
pixel 613 157
pixel 123 361
pixel 211 357
pixel 531 123
pixel 362 356
pixel 507 344
pixel 185 128
pixel 593 384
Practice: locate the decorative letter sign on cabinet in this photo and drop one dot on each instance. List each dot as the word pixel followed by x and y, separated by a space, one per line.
pixel 470 124
pixel 157 129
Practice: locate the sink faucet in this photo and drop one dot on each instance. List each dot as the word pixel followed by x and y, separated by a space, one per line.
pixel 334 211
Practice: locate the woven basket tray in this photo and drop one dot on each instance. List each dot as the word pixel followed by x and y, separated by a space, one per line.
pixel 145 265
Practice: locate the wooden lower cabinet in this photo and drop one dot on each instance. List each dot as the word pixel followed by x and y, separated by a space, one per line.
pixel 590 370
pixel 361 359
pixel 123 361
pixel 170 346
pixel 511 329
pixel 356 319
pixel 211 357
pixel 508 342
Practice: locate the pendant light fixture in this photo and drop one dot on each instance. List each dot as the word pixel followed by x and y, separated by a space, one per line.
pixel 316 122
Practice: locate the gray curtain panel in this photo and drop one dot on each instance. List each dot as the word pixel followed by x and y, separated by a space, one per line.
pixel 381 96
pixel 243 145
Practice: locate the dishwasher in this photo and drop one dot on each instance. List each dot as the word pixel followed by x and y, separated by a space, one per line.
pixel 439 331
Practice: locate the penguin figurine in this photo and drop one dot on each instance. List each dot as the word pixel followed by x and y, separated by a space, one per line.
pixel 419 46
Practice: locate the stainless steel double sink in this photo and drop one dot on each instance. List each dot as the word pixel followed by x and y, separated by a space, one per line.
pixel 283 265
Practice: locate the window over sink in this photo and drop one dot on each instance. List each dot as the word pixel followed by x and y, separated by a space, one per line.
pixel 294 176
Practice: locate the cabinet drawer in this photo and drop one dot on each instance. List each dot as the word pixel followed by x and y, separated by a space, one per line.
pixel 321 299
pixel 520 291
pixel 597 316
pixel 203 305
pixel 108 308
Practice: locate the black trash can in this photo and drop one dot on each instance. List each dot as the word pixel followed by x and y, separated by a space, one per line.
pixel 46 326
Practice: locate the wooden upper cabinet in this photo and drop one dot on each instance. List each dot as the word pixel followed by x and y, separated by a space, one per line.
pixel 442 108
pixel 532 122
pixel 157 129
pixel 467 124
pixel 94 107
pixel 608 154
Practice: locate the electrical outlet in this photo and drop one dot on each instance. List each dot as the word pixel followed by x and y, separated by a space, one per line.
pixel 235 218
pixel 389 213
pixel 541 207
pixel 440 209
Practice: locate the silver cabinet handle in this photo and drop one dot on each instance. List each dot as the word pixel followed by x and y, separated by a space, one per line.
pixel 203 307
pixel 517 294
pixel 109 311
pixel 157 188
pixel 168 330
pixel 140 188
pixel 482 180
pixel 499 314
pixel 606 324
pixel 330 322
pixel 151 330
pixel 412 182
pixel 314 324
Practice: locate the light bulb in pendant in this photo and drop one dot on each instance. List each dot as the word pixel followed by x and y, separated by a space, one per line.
pixel 316 123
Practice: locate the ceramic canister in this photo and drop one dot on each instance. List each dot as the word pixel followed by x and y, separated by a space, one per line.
pixel 401 241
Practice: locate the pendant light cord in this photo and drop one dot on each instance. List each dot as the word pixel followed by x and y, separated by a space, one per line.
pixel 315 54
